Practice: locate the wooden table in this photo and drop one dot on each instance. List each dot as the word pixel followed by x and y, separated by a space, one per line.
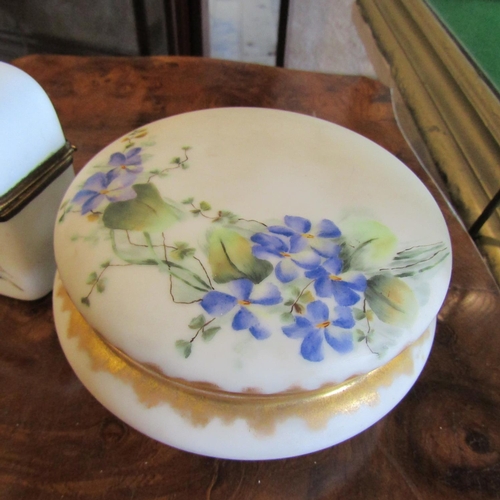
pixel 57 441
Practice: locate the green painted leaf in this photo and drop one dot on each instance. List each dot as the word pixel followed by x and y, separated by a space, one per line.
pixel 67 209
pixel 392 300
pixel 183 251
pixel 188 201
pixel 148 212
pixel 359 335
pixel 224 216
pixel 209 333
pixel 92 278
pixel 204 206
pixel 358 313
pixel 101 285
pixel 287 317
pixel 197 323
pixel 368 245
pixel 418 259
pixel 230 257
pixel 306 297
pixel 184 347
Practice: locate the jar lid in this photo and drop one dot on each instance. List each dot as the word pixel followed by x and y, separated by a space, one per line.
pixel 252 250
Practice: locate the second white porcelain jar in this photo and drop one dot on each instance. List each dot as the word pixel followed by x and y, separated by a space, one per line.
pixel 34 174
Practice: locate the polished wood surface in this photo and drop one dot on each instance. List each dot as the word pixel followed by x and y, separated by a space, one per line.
pixel 57 441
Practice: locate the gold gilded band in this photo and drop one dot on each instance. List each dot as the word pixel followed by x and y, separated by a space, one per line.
pixel 200 403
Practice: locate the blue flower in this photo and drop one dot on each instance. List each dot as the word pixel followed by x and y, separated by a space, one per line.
pixel 316 326
pixel 329 282
pixel 271 246
pixel 219 304
pixel 130 161
pixel 111 185
pixel 298 229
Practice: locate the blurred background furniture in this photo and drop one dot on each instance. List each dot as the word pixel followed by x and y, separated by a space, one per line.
pixel 109 27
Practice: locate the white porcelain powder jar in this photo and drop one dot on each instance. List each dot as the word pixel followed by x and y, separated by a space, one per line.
pixel 248 283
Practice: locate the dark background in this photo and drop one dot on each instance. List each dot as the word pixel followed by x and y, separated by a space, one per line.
pixel 100 27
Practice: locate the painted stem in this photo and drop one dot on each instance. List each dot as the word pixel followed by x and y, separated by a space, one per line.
pixel 167 267
pixel 201 329
pixel 300 295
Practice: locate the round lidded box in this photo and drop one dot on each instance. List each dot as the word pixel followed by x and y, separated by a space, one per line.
pixel 248 283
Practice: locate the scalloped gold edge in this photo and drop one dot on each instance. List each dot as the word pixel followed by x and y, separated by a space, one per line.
pixel 200 403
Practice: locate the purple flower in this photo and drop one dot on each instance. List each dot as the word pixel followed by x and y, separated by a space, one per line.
pixel 129 162
pixel 100 186
pixel 316 326
pixel 218 304
pixel 329 282
pixel 271 246
pixel 298 229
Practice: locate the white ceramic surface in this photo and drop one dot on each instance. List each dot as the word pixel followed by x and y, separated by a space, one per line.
pixel 252 250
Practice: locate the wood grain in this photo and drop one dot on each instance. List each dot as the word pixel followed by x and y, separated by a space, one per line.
pixel 57 441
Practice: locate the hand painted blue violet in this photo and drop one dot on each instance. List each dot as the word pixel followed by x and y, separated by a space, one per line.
pixel 113 186
pixel 329 282
pixel 298 229
pixel 219 303
pixel 130 161
pixel 316 326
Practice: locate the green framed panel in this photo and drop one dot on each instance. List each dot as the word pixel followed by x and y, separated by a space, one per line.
pixel 475 24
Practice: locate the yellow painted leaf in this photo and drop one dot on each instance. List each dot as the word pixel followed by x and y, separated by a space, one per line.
pixel 370 244
pixel 392 300
pixel 230 257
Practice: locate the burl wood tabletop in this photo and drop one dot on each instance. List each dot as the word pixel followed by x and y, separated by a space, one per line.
pixel 57 441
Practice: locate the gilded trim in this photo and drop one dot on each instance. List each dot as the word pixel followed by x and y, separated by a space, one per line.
pixel 201 402
pixel 455 112
pixel 12 202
